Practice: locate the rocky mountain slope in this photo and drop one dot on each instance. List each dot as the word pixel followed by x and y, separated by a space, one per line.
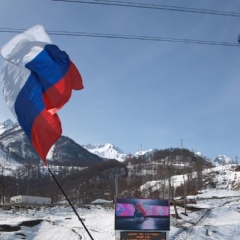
pixel 15 146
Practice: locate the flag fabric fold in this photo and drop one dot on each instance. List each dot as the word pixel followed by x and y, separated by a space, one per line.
pixel 37 80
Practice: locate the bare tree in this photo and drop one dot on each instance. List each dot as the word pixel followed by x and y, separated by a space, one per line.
pixel 185 195
pixel 171 191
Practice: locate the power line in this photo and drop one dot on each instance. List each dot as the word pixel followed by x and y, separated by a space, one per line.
pixel 127 37
pixel 154 7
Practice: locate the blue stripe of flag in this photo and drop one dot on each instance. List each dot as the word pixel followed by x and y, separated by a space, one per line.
pixel 47 68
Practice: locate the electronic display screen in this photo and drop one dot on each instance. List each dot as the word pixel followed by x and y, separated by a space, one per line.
pixel 142 214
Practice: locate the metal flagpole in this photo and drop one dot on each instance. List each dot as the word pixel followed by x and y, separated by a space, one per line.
pixel 70 203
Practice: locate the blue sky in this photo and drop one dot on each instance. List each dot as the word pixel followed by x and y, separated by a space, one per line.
pixel 144 93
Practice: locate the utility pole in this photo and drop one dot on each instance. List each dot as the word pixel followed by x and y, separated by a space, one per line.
pixel 17 188
pixel 116 186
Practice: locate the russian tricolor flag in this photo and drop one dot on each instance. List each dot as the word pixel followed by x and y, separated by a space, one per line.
pixel 37 80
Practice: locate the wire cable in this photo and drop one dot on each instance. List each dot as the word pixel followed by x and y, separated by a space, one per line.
pixel 154 7
pixel 127 37
pixel 70 203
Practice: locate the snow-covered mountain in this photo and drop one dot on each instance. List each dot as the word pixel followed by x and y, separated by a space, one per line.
pixel 11 135
pixel 223 159
pixel 111 151
pixel 7 125
pixel 108 151
pixel 16 147
pixel 146 153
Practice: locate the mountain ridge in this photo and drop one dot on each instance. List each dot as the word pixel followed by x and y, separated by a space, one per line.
pixel 15 146
pixel 103 151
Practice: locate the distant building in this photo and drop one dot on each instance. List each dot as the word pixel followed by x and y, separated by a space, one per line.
pixel 21 199
pixel 101 202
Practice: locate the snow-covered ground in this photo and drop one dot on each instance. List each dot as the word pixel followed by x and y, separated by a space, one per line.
pixel 58 223
pixel 217 217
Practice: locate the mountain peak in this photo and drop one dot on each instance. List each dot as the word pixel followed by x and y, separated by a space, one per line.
pixel 106 150
pixel 8 124
pixel 223 159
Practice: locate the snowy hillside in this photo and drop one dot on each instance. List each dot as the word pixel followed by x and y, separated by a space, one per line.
pixel 108 151
pixel 220 177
